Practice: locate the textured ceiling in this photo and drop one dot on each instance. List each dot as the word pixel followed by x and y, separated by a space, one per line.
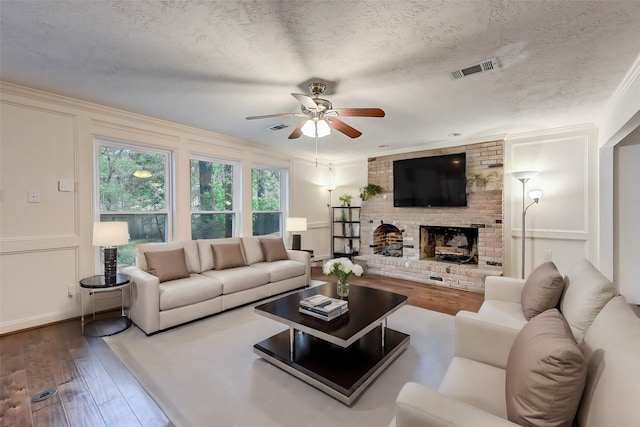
pixel 209 64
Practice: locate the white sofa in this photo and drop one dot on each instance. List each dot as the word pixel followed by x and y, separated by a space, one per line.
pixel 157 305
pixel 473 391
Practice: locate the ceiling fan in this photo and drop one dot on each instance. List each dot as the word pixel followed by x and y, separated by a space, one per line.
pixel 318 110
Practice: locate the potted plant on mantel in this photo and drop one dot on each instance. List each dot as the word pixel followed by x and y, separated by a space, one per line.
pixel 369 191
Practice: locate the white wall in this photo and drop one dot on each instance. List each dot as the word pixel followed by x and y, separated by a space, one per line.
pixel 627 217
pixel 563 227
pixel 46 247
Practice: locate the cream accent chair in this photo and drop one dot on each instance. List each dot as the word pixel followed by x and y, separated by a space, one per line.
pixel 585 292
pixel 472 392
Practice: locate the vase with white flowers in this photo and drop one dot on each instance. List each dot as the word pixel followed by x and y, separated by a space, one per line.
pixel 343 269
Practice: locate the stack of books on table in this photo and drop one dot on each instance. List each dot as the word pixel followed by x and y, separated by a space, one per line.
pixel 323 307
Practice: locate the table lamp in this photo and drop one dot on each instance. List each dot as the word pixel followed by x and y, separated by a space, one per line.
pixel 109 235
pixel 296 224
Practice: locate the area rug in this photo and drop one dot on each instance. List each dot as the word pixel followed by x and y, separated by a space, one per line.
pixel 206 374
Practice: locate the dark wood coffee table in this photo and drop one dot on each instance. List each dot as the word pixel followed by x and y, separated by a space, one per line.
pixel 343 356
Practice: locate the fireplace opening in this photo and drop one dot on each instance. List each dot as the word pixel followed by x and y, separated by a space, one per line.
pixel 387 240
pixel 449 244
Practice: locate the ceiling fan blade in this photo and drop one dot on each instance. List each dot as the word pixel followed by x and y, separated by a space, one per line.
pixel 275 115
pixel 297 131
pixel 360 112
pixel 306 100
pixel 341 126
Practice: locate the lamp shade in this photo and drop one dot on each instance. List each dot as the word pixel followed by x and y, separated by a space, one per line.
pixel 296 224
pixel 309 128
pixel 535 194
pixel 110 233
pixel 330 183
pixel 526 175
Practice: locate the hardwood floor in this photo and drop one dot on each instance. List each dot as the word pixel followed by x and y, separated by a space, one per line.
pixel 95 389
pixel 431 297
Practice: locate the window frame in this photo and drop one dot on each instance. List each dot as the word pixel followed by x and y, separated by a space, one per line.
pixel 169 165
pixel 284 195
pixel 236 192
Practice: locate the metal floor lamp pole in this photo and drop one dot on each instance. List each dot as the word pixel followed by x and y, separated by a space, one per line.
pixel 536 199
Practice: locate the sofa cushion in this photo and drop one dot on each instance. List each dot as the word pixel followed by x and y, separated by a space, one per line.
pixel 183 292
pixel 273 250
pixel 281 270
pixel 541 290
pixel 545 373
pixel 476 384
pixel 167 265
pixel 206 252
pixel 586 291
pixel 190 253
pixel 239 278
pixel 253 249
pixel 611 348
pixel 227 255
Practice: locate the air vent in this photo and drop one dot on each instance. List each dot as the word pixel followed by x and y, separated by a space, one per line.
pixel 486 65
pixel 278 127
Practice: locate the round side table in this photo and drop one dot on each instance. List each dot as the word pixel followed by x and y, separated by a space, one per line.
pixel 111 325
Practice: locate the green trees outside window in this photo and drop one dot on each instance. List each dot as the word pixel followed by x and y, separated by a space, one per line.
pixel 267 200
pixel 133 188
pixel 135 184
pixel 212 205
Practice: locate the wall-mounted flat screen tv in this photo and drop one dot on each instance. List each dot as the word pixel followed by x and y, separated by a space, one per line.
pixel 430 181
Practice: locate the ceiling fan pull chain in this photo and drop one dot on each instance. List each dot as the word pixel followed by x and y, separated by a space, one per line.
pixel 316 126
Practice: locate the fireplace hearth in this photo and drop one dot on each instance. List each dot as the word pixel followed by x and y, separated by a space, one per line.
pixel 457 245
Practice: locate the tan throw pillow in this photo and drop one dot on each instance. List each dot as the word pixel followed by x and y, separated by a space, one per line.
pixel 273 249
pixel 542 290
pixel 545 374
pixel 227 255
pixel 167 265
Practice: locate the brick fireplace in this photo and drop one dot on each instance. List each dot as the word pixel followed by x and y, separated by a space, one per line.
pixel 483 215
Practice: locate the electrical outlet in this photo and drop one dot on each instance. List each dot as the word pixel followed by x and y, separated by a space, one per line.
pixel 71 291
pixel 33 196
pixel 548 255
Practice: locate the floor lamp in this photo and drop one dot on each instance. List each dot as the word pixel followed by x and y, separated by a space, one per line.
pixel 524 177
pixel 330 185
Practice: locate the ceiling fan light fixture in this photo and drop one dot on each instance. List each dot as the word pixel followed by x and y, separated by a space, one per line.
pixel 142 174
pixel 309 128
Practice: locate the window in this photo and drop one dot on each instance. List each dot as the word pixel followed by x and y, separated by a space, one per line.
pixel 213 187
pixel 133 186
pixel 268 199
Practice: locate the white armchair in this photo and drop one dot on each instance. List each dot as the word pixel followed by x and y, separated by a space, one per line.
pixel 472 391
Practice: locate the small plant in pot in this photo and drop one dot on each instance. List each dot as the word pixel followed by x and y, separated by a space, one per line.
pixel 346 199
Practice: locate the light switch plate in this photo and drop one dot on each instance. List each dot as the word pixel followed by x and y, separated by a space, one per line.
pixel 65 185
